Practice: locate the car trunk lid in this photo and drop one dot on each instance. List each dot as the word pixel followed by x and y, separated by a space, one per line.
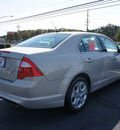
pixel 9 64
pixel 10 60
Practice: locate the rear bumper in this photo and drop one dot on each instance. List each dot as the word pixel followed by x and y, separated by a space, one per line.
pixel 35 103
pixel 35 93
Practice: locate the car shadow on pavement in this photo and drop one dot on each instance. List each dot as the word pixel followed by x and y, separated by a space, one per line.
pixel 101 112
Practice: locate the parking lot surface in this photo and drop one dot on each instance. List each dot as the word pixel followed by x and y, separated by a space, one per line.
pixel 102 112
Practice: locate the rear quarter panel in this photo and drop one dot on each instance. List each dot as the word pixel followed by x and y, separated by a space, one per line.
pixel 61 62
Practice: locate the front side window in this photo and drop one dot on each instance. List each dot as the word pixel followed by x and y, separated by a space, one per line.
pixel 110 46
pixel 90 44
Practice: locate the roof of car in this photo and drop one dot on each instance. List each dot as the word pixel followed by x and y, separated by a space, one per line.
pixel 74 33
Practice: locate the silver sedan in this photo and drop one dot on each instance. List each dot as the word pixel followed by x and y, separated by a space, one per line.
pixel 58 69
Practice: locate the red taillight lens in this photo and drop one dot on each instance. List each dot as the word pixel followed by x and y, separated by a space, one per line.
pixel 5 51
pixel 28 69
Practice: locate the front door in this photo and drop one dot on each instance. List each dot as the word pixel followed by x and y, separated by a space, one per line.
pixel 112 50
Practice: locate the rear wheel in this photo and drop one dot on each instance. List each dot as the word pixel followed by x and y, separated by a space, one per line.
pixel 77 94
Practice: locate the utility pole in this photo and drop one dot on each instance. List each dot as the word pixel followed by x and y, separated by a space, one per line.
pixel 87 22
pixel 18 27
pixel 18 39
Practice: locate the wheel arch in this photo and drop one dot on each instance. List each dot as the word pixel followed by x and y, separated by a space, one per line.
pixel 83 75
pixel 67 102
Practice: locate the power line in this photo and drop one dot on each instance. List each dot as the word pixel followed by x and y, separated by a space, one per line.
pixel 76 12
pixel 53 12
pixel 85 10
pixel 90 4
pixel 52 4
pixel 64 9
pixel 56 13
pixel 48 5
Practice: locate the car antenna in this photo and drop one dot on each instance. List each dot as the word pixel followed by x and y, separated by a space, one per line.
pixel 55 27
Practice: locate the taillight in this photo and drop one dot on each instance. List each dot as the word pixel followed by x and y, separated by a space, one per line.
pixel 5 51
pixel 28 69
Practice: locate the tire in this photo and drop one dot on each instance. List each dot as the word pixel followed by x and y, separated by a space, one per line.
pixel 77 94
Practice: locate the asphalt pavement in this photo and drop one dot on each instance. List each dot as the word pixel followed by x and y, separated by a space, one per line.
pixel 102 112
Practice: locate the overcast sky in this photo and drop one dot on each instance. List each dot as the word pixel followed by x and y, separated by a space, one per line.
pixel 23 8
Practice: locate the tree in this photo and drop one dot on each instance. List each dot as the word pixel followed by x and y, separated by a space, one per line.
pixel 17 36
pixel 118 36
pixel 25 34
pixel 39 31
pixel 109 30
pixel 10 36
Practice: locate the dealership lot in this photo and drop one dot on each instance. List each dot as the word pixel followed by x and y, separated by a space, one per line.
pixel 102 111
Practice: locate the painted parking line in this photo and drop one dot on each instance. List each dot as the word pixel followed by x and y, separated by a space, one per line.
pixel 117 127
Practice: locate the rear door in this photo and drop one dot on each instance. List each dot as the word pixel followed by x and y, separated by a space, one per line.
pixel 96 60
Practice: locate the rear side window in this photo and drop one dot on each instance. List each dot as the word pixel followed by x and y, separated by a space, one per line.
pixel 81 47
pixel 45 40
pixel 90 43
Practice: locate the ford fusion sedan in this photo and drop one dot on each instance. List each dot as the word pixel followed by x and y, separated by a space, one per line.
pixel 58 69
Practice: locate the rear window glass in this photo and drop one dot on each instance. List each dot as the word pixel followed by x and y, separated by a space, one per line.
pixel 45 40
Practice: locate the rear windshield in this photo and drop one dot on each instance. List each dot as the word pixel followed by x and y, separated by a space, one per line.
pixel 45 40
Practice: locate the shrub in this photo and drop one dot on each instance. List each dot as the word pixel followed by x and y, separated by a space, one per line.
pixel 5 46
pixel 8 45
pixel 2 46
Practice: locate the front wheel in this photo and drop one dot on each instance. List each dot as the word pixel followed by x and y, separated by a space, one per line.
pixel 77 94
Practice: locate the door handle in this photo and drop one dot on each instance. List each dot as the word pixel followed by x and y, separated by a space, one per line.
pixel 88 60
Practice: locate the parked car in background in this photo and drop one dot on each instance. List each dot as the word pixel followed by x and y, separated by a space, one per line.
pixel 58 69
pixel 16 43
